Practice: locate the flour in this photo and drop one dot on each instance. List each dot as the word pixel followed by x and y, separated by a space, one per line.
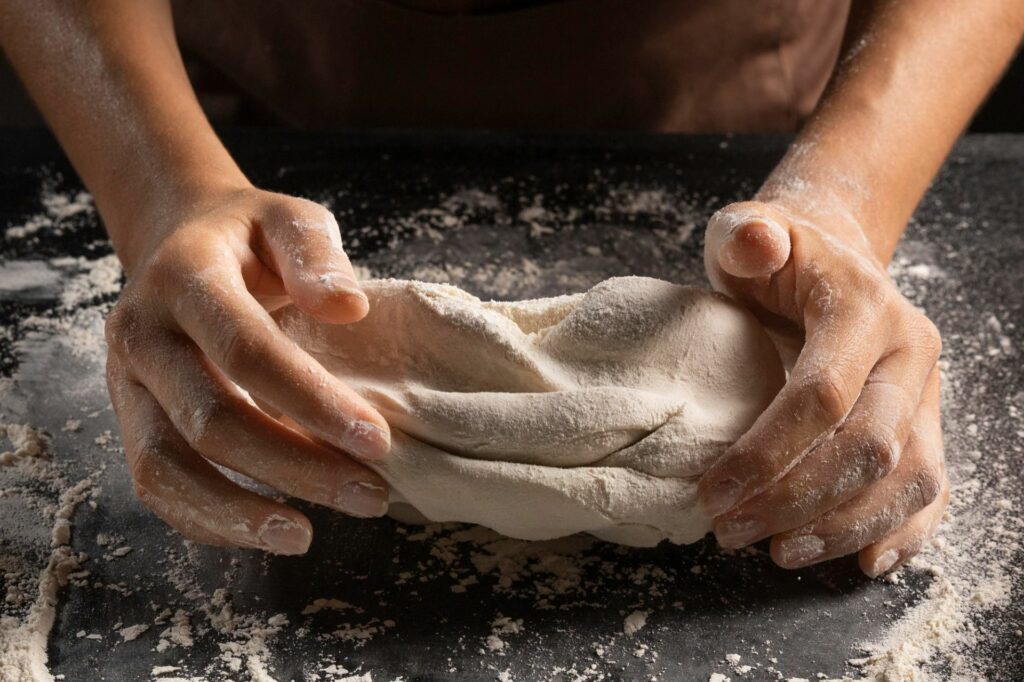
pixel 574 257
pixel 957 588
pixel 35 493
pixel 501 627
pixel 24 278
pixel 58 210
pixel 23 641
pixel 88 289
pixel 635 622
pixel 974 560
pixel 27 441
pixel 93 279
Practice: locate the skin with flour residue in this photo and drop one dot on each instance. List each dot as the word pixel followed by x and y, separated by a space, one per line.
pixel 849 457
pixel 173 370
pixel 208 255
pixel 862 466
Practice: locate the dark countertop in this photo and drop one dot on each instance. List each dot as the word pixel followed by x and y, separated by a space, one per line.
pixel 601 206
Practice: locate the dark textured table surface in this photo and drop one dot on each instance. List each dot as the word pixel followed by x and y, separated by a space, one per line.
pixel 513 217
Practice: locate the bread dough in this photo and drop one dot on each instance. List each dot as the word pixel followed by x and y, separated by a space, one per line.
pixel 593 412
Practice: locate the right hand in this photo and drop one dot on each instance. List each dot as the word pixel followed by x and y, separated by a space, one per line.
pixel 192 326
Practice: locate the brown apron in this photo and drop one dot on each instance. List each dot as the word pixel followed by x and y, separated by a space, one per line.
pixel 662 65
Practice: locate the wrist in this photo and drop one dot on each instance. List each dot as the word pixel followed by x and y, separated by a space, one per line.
pixel 820 206
pixel 833 203
pixel 137 224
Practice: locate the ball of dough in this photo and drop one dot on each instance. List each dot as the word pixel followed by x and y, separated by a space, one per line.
pixel 594 412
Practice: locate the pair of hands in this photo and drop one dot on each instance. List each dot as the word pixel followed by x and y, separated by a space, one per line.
pixel 847 458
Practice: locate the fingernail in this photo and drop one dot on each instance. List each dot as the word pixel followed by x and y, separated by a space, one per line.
pixel 735 253
pixel 363 499
pixel 884 562
pixel 336 281
pixel 798 551
pixel 281 536
pixel 739 532
pixel 363 439
pixel 721 497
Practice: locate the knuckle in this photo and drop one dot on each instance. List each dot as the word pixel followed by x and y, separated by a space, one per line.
pixel 311 215
pixel 233 349
pixel 171 258
pixel 831 396
pixel 237 346
pixel 929 340
pixel 114 325
pixel 319 212
pixel 121 328
pixel 927 485
pixel 878 292
pixel 144 469
pixel 114 376
pixel 763 468
pixel 874 292
pixel 882 451
pixel 199 420
pixel 143 494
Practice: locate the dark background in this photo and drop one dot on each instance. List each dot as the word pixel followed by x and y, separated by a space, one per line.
pixel 1003 112
pixel 225 104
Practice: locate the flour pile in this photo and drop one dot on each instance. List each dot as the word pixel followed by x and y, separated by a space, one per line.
pixel 595 412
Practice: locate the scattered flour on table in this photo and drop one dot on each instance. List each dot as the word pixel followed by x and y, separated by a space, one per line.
pixel 37 497
pixel 562 253
pixel 58 210
pixel 968 569
pixel 24 631
pixel 85 290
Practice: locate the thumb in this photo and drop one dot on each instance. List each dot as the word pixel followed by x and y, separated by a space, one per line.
pixel 746 240
pixel 305 243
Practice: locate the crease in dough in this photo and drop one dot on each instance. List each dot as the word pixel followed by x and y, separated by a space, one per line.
pixel 593 412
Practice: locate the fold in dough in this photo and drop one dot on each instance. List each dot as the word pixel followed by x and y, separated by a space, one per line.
pixel 594 412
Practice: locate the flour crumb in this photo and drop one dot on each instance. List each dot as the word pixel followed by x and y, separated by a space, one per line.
pixel 132 632
pixel 635 622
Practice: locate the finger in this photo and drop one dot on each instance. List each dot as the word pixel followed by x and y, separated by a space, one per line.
pixel 840 350
pixel 866 449
pixel 880 509
pixel 218 422
pixel 189 493
pixel 902 545
pixel 746 240
pixel 201 536
pixel 864 520
pixel 241 338
pixel 304 248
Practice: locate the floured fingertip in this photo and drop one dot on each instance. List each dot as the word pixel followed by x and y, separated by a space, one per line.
pixel 334 297
pixel 281 535
pixel 883 563
pixel 758 247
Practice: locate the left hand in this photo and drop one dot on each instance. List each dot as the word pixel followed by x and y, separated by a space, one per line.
pixel 848 457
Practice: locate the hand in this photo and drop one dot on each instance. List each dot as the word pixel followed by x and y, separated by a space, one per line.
pixel 190 329
pixel 848 457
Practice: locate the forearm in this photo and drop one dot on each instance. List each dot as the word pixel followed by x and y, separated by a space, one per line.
pixel 911 74
pixel 109 79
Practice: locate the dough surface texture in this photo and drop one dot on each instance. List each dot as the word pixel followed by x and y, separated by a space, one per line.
pixel 592 412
